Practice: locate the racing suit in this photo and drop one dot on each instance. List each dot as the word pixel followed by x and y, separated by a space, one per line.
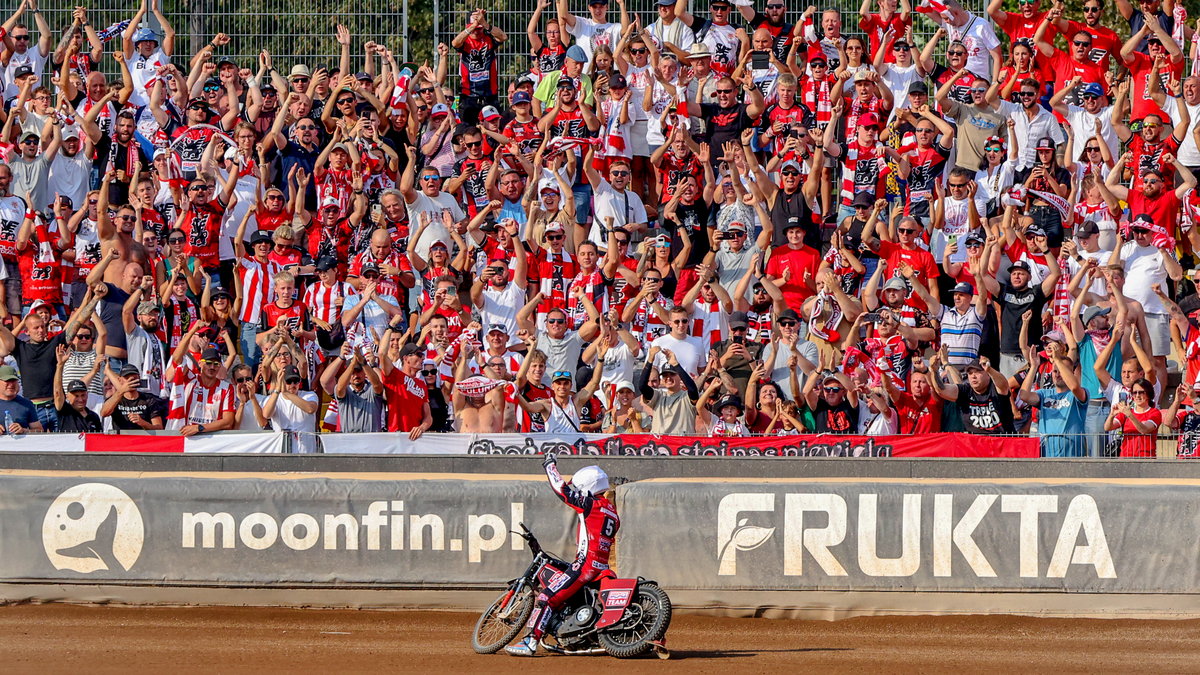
pixel 598 525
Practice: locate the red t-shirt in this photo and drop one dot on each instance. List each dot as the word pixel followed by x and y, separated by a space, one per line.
pixel 1020 28
pixel 1064 68
pixel 269 222
pixel 1135 444
pixel 919 416
pixel 1147 156
pixel 799 261
pixel 874 26
pixel 919 259
pixel 406 398
pixel 202 225
pixel 41 278
pixel 294 316
pixel 1163 209
pixel 1140 65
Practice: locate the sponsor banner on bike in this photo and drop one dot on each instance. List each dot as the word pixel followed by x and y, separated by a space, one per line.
pixel 394 529
pixel 912 536
pixel 642 445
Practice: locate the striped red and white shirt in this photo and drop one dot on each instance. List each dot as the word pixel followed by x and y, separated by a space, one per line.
pixel 863 169
pixel 321 300
pixel 595 287
pixel 257 288
pixel 193 403
pixel 709 322
pixel 552 272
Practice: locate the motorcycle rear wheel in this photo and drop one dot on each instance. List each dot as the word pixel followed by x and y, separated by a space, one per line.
pixel 633 637
pixel 497 626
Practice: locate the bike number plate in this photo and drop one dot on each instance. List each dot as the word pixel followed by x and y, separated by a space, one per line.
pixel 615 596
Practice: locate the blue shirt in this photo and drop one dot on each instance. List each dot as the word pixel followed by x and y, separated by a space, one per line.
pixel 22 411
pixel 1061 423
pixel 1087 359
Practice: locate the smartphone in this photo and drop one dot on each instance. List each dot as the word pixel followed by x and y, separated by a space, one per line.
pixel 760 60
pixel 739 340
pixel 872 317
pixel 953 239
pixel 1123 397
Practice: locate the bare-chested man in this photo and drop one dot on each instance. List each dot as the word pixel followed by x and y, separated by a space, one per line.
pixel 113 295
pixel 116 233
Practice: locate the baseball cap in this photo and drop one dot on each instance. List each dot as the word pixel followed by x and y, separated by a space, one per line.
pixel 1045 143
pixel 565 83
pixel 22 71
pixel 291 374
pixel 70 132
pixel 863 75
pixel 864 199
pixel 788 314
pixel 520 97
pixel 362 75
pixel 210 354
pixel 974 237
pixel 868 120
pixel 1054 336
pixel 617 81
pixel 498 328
pixel 738 320
pixel 829 375
pixel 260 237
pixel 895 284
pixel 963 287
pixel 221 293
pixel 409 349
pixel 1035 231
pixel 625 384
pixel 438 243
pixel 576 54
pixel 597 2
pixel 1093 312
pixel 918 88
pixel 129 369
pixel 729 400
pixel 148 308
pixel 368 266
pixel 901 44
pixel 330 201
pixel 439 109
pixel 325 263
pixel 225 60
pixel 299 70
pixel 28 135
pixel 7 373
pixel 1092 88
pixel 793 222
pixel 665 3
pixel 1019 265
pixel 1086 229
pixel 973 364
pixel 489 113
pixel 789 164
pixel 75 386
pixel 735 225
pixel 551 185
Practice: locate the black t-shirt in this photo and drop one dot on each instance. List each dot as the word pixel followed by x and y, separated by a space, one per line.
pixel 723 125
pixel 839 419
pixel 794 205
pixel 986 413
pixel 37 362
pixel 148 406
pixel 695 219
pixel 72 421
pixel 1013 304
pixel 781 35
pixel 112 155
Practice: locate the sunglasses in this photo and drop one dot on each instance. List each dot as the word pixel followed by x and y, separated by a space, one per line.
pixel 126 217
pixel 958 185
pixel 957 52
pixel 789 172
pixel 925 131
pixel 1090 97
pixel 429 371
pixel 775 6
pixel 495 364
pixel 211 87
pixel 1077 43
pixel 906 230
pixel 294 380
pixel 555 237
pixel 84 336
pixel 20 37
pixel 651 280
pixel 994 149
pixel 243 379
pixel 197 188
pixel 725 91
pixel 556 320
pixel 622 242
pixel 1152 125
pixel 1152 181
pixel 616 172
pixel 901 48
pixel 301 80
pixel 832 390
pixel 474 144
pixel 1140 230
pixel 344 101
pixel 1091 10
pixel 638 51
pixel 818 64
pixel 306 128
pixel 787 324
pixel 1092 149
pixel 1139 393
pixel 175 240
pixel 31 141
pixel 1029 94
pixel 679 322
pixel 425 90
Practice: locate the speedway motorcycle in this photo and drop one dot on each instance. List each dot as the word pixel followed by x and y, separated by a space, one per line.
pixel 620 617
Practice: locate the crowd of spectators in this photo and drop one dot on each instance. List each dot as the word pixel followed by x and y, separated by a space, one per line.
pixel 720 224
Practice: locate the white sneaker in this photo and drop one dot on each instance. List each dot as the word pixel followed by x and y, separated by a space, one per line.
pixel 526 647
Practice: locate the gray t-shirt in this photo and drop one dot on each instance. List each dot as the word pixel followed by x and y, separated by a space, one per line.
pixel 32 177
pixel 674 414
pixel 561 354
pixel 146 352
pixel 361 412
pixel 732 266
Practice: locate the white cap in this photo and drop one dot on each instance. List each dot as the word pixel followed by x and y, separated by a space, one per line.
pixel 591 479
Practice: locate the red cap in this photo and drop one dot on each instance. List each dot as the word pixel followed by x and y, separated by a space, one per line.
pixel 868 120
pixel 815 52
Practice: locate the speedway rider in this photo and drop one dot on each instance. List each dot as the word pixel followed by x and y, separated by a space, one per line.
pixel 598 525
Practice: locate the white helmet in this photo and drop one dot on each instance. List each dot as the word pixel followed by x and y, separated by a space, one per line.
pixel 591 479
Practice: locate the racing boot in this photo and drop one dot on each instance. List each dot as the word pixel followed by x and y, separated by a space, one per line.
pixel 526 647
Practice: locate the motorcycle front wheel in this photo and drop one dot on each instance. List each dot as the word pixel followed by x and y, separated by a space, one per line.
pixel 646 621
pixel 502 621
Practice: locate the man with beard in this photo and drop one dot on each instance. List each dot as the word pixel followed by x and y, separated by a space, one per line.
pixel 131 406
pixel 20 49
pixel 1105 41
pixel 1074 65
pixel 30 165
pixel 395 271
pixel 498 298
pixel 187 140
pixel 299 148
pixel 956 73
pixel 556 80
pixel 1031 122
pixel 616 204
pixel 119 248
pixel 429 199
pixel 70 172
pixel 722 39
pixel 118 153
pixel 470 173
pixel 975 121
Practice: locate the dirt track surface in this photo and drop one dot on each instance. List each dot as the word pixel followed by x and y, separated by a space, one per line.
pixel 57 638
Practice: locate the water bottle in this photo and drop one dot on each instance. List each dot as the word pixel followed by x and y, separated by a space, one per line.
pixel 7 421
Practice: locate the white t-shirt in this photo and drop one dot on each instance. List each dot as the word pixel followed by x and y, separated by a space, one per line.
pixel 246 191
pixel 436 230
pixel 958 224
pixel 876 424
pixel 898 79
pixel 978 36
pixel 993 186
pixel 1188 154
pixel 618 365
pixel 678 33
pixel 689 352
pixel 143 69
pixel 1084 124
pixel 249 421
pixel 501 306
pixel 1144 267
pixel 638 78
pixel 623 207
pixel 31 57
pixel 69 176
pixel 588 33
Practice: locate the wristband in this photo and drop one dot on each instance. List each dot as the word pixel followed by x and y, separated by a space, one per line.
pixel 31 214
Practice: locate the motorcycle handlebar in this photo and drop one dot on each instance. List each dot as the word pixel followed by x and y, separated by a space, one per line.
pixel 529 538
